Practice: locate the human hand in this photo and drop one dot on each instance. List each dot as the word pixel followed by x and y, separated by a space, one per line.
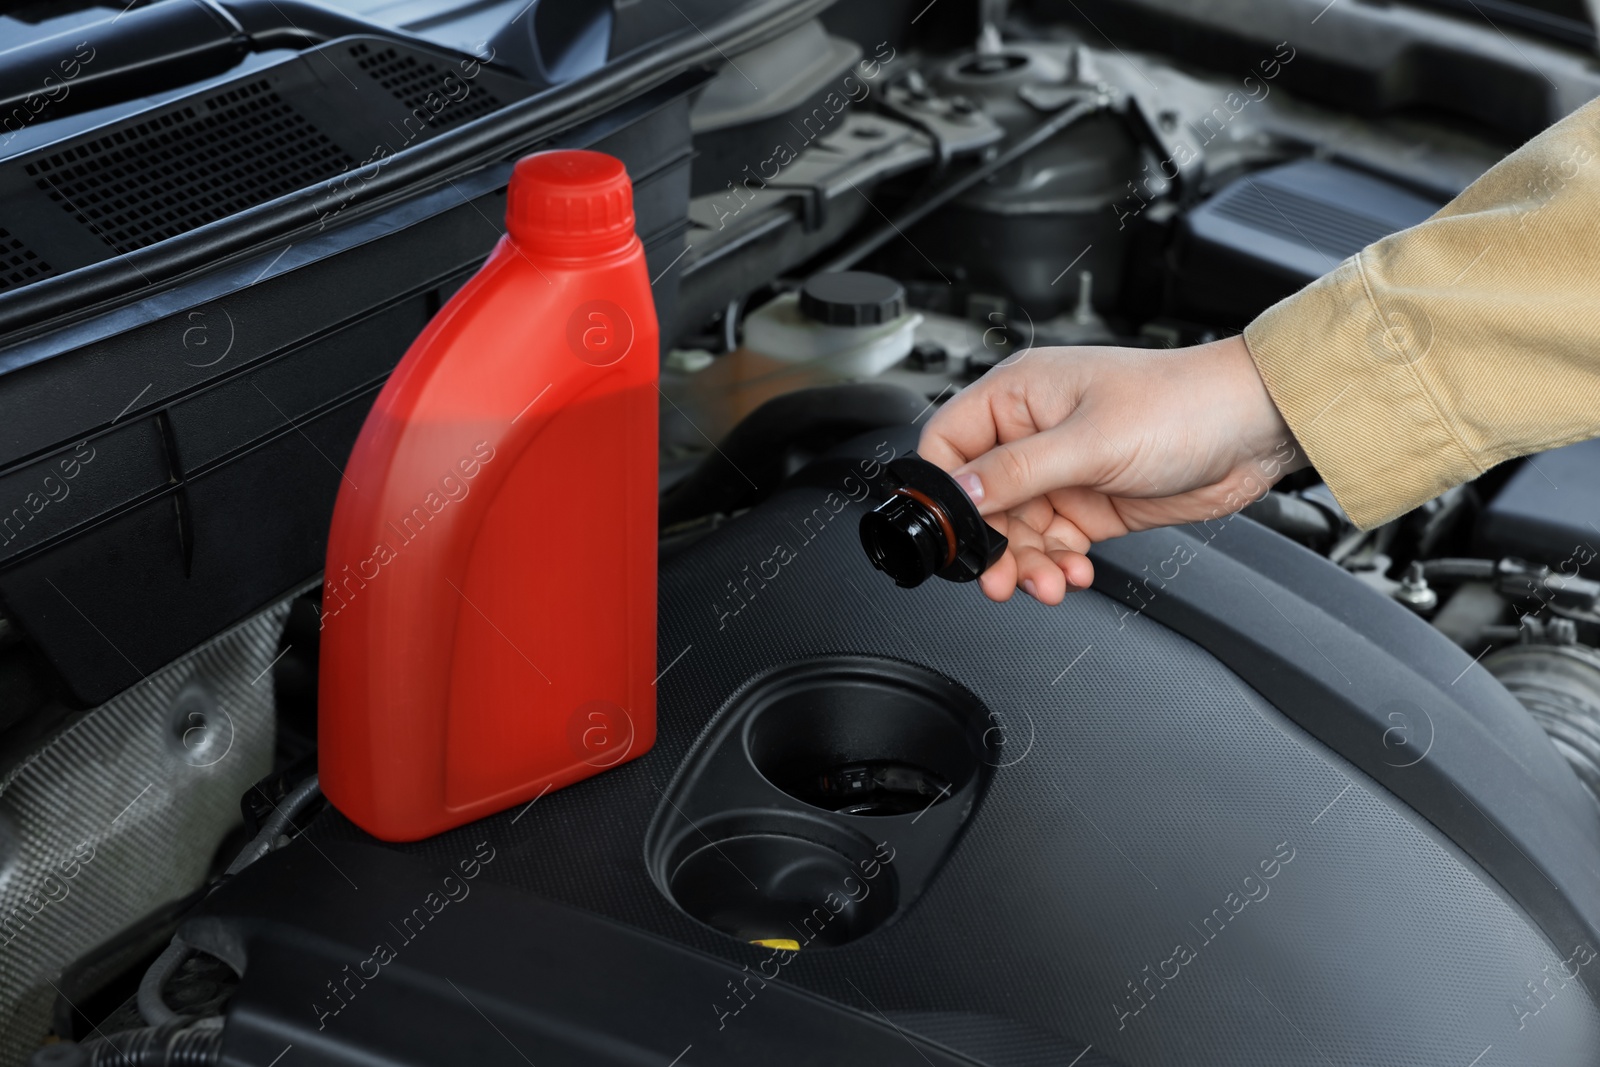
pixel 1063 447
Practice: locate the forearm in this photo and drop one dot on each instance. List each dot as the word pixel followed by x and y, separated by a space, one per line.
pixel 1440 351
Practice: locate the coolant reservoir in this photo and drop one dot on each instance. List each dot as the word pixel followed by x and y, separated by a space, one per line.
pixel 488 625
pixel 851 324
pixel 839 327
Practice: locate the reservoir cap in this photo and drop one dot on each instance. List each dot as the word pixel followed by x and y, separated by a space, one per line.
pixel 570 203
pixel 852 298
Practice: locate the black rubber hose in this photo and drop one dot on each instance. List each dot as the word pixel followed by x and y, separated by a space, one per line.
pixel 152 1003
pixel 274 825
pixel 1560 687
pixel 81 978
pixel 299 25
pixel 769 443
pixel 422 167
pixel 158 1046
pixel 1466 570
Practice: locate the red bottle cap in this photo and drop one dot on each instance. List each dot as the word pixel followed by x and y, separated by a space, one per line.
pixel 570 203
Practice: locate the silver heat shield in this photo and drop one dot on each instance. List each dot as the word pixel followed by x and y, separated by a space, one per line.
pixel 123 810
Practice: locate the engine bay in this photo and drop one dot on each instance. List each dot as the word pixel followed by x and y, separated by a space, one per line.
pixel 1277 790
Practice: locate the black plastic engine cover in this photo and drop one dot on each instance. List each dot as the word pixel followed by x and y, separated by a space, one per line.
pixel 1266 235
pixel 1164 867
pixel 1549 511
pixel 389 961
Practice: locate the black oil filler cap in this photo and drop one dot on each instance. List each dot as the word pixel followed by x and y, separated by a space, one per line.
pixel 852 298
pixel 927 526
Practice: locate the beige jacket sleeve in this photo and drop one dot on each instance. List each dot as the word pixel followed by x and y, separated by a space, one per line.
pixel 1471 338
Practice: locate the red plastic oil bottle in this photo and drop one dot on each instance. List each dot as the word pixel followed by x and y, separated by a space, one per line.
pixel 489 606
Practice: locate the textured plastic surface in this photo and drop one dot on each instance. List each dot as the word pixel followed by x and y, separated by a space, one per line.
pixel 489 599
pixel 137 179
pixel 1445 738
pixel 1140 783
pixel 528 981
pixel 780 823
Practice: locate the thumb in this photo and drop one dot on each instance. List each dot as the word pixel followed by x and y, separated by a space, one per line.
pixel 1066 455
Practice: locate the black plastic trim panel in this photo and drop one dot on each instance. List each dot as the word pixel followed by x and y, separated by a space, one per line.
pixel 1386 691
pixel 478 973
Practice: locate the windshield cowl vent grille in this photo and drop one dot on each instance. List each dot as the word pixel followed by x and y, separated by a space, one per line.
pixel 174 171
pixel 18 263
pixel 436 99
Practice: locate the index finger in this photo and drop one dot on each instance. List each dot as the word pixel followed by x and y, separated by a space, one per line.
pixel 960 431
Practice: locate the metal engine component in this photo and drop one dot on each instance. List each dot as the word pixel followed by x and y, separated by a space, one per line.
pixel 1415 592
pixel 1560 687
pixel 1014 234
pixel 124 810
